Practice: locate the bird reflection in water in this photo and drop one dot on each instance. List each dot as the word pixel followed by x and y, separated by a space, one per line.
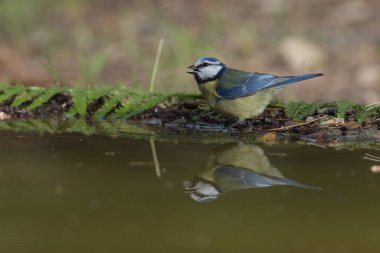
pixel 236 167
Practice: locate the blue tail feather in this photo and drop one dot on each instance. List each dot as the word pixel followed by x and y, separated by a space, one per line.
pixel 294 79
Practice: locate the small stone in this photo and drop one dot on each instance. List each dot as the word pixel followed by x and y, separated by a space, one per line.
pixel 327 111
pixel 4 116
pixel 352 125
pixel 333 122
pixel 375 168
pixel 269 138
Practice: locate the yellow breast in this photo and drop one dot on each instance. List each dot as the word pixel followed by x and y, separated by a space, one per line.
pixel 208 91
pixel 240 108
pixel 245 107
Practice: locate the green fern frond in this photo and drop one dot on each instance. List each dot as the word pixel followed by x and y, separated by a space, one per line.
pixel 96 93
pixel 300 110
pixel 113 100
pixel 83 98
pixel 27 95
pixel 3 86
pixel 44 97
pixel 366 114
pixel 138 104
pixel 344 106
pixel 10 91
pixel 79 103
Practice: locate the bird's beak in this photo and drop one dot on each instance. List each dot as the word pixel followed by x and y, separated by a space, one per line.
pixel 193 69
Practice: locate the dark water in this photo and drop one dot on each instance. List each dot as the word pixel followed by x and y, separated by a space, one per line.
pixel 71 193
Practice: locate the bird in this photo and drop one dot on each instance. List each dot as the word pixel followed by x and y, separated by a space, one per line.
pixel 235 93
pixel 233 167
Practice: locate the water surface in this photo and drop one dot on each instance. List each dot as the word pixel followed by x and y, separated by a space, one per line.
pixel 70 193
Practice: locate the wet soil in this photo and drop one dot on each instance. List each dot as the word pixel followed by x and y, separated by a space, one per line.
pixel 322 126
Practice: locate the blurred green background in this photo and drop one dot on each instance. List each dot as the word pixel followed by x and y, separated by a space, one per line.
pixel 113 42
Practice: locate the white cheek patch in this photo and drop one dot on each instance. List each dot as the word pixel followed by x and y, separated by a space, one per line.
pixel 206 189
pixel 209 72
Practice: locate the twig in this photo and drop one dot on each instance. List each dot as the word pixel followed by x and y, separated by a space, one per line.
pixel 371 157
pixel 297 125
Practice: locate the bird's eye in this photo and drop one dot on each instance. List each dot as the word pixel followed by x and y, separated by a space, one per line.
pixel 205 64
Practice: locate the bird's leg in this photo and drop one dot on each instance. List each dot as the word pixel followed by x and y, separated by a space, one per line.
pixel 250 124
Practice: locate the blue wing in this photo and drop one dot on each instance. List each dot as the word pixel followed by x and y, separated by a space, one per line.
pixel 235 83
pixel 229 178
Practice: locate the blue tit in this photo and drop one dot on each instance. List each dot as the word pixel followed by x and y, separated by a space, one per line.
pixel 236 167
pixel 235 93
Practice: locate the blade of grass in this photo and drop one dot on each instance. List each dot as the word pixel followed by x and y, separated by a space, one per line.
pixel 155 159
pixel 372 106
pixel 155 67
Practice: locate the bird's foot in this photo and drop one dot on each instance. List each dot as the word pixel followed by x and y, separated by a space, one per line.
pixel 233 123
pixel 250 125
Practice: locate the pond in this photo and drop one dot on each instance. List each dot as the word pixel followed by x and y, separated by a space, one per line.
pixel 76 193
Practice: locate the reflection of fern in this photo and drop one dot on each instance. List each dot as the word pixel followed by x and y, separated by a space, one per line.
pixel 80 126
pixel 42 126
pixel 4 126
pixel 23 126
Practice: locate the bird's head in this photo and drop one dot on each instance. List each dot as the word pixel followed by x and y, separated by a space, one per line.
pixel 203 191
pixel 206 69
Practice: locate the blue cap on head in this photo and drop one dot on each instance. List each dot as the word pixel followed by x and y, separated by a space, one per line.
pixel 211 59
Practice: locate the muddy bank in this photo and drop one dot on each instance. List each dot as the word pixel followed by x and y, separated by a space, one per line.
pixel 322 126
pixel 188 113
